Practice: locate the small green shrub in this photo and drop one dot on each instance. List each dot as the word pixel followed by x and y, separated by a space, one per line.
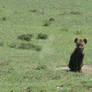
pixel 3 18
pixel 51 19
pixel 33 10
pixel 26 37
pixel 37 48
pixel 42 36
pixel 47 23
pixel 11 91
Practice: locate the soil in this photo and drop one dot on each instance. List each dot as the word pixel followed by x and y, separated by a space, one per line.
pixel 87 69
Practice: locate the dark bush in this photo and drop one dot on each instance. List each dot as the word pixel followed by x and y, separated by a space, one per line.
pixel 38 48
pixel 51 19
pixel 42 36
pixel 11 91
pixel 33 10
pixel 26 37
pixel 47 23
pixel 4 18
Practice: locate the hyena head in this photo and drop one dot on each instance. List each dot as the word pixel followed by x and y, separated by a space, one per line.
pixel 80 44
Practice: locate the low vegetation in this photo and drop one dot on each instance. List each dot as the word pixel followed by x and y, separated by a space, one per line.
pixel 42 36
pixel 37 39
pixel 26 37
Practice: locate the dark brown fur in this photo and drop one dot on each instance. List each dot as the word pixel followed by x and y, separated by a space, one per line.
pixel 76 59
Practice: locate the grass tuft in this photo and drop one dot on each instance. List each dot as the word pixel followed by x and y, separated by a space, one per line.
pixel 42 36
pixel 46 23
pixel 51 19
pixel 39 67
pixel 25 37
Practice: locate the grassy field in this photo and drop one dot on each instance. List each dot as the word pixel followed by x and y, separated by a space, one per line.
pixel 28 63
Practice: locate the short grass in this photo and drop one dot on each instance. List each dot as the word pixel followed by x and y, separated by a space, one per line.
pixel 32 70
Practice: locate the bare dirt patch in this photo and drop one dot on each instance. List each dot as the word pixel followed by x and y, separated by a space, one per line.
pixel 87 69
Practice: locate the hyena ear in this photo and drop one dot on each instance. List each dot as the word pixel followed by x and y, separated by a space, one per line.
pixel 76 39
pixel 85 40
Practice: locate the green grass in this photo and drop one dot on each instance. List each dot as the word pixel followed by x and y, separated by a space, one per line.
pixel 29 70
